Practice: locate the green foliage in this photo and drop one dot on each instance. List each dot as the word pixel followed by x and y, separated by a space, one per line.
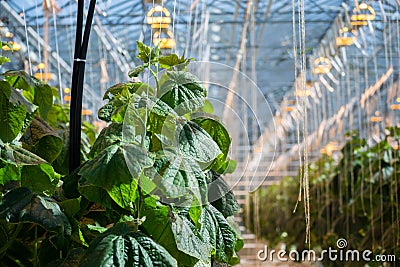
pixel 41 93
pixel 353 197
pixel 149 191
pixel 21 205
pixel 4 60
pixel 123 245
pixel 182 91
pixel 15 112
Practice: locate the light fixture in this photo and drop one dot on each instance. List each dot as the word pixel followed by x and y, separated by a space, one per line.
pixel 87 112
pixel 41 66
pixel 302 92
pixel 362 14
pixel 67 98
pixel 45 76
pixel 165 39
pixel 396 105
pixel 290 105
pixel 9 35
pixel 330 148
pixel 67 90
pixel 322 65
pixel 154 2
pixel 159 17
pixel 14 46
pixel 346 37
pixel 377 117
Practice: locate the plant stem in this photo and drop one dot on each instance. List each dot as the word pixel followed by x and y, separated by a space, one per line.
pixel 17 261
pixel 138 201
pixel 35 252
pixel 155 74
pixel 9 243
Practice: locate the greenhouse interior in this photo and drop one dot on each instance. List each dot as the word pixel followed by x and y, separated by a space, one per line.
pixel 199 133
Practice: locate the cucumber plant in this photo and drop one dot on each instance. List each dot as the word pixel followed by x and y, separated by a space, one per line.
pixel 149 190
pixel 355 197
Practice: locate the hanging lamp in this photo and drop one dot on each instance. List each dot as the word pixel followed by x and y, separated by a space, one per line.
pixel 396 105
pixel 159 17
pixel 377 117
pixel 290 104
pixel 330 148
pixel 165 39
pixel 322 65
pixel 346 37
pixel 362 14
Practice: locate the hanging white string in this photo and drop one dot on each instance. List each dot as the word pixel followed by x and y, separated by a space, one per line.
pixel 189 29
pixel 70 36
pixel 173 22
pixel 38 32
pixel 60 90
pixel 398 91
pixel 27 42
pixel 297 100
pixel 305 121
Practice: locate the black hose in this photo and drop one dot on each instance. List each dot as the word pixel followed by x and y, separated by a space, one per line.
pixel 78 75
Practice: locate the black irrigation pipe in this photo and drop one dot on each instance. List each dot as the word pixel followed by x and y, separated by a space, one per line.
pixel 78 74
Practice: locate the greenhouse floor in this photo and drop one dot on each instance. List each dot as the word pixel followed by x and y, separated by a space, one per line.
pixel 248 255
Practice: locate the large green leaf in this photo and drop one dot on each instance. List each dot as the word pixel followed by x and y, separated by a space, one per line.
pixel 220 195
pixel 116 164
pixel 71 208
pixel 105 112
pixel 18 99
pixel 195 143
pixel 221 136
pixel 189 240
pixel 183 92
pixel 5 90
pixel 131 87
pixel 124 194
pixel 12 116
pixel 21 80
pixel 147 53
pixel 217 132
pixel 178 177
pixel 61 163
pixel 161 118
pixel 122 246
pixel 4 60
pixel 58 116
pixel 172 60
pixel 9 172
pixel 20 156
pixel 39 178
pixel 175 232
pixel 43 140
pixel 43 98
pixel 95 194
pixel 21 205
pixel 110 135
pixel 42 92
pixel 107 168
pixel 222 235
